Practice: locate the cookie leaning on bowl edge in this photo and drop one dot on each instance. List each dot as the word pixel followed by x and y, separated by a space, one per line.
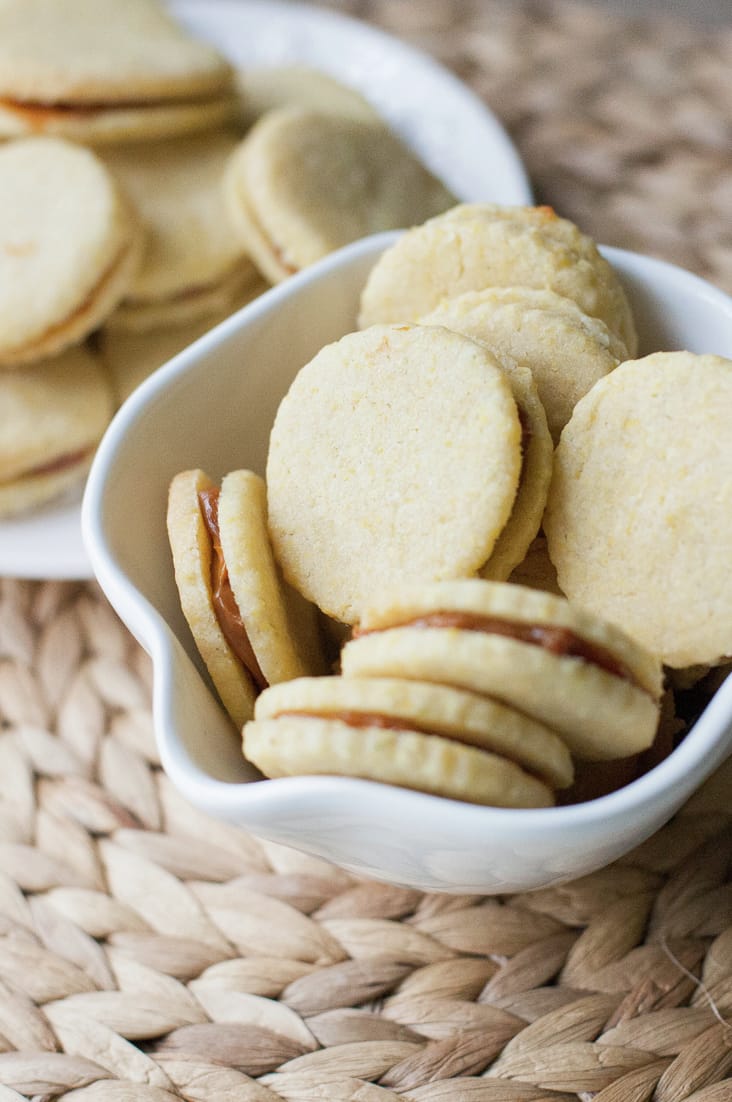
pixel 249 630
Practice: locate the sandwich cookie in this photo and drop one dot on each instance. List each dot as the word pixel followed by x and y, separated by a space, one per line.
pixel 303 183
pixel 475 246
pixel 640 505
pixel 67 253
pixel 566 350
pixel 394 457
pixel 249 629
pixel 584 679
pixel 193 264
pixel 96 70
pixel 53 415
pixel 415 735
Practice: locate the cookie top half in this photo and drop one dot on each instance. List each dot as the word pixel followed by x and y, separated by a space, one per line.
pixel 101 51
pixel 395 455
pixel 474 246
pixel 638 519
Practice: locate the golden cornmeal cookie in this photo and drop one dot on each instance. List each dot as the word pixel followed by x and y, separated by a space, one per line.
pixel 203 307
pixel 53 416
pixel 69 246
pixel 394 456
pixel 387 731
pixel 230 590
pixel 431 709
pixel 598 689
pixel 566 350
pixel 303 183
pixel 192 257
pixel 475 246
pixel 640 502
pixel 268 88
pixel 96 70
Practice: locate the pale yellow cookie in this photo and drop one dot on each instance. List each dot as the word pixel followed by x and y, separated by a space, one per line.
pixel 472 247
pixel 566 350
pixel 303 183
pixel 431 709
pixel 53 416
pixel 268 88
pixel 535 652
pixel 101 51
pixel 202 307
pixel 641 501
pixel 192 257
pixel 394 457
pixel 231 592
pixel 69 246
pixel 298 745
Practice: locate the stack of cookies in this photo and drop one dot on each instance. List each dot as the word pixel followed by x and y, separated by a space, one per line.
pixel 198 188
pixel 485 498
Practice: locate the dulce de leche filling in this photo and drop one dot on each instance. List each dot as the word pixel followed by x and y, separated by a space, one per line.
pixel 561 641
pixel 224 603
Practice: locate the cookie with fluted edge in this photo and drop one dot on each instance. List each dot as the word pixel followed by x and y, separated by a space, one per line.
pixel 53 416
pixel 641 504
pixel 304 182
pixel 384 731
pixel 432 709
pixel 473 246
pixel 566 350
pixel 583 678
pixel 193 263
pixel 248 630
pixel 69 245
pixel 394 457
pixel 97 70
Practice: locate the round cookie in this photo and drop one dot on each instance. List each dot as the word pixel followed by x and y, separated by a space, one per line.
pixel 566 350
pixel 67 254
pixel 641 500
pixel 481 245
pixel 53 416
pixel 583 678
pixel 366 730
pixel 395 456
pixel 303 183
pixel 192 257
pixel 230 590
pixel 100 51
pixel 431 709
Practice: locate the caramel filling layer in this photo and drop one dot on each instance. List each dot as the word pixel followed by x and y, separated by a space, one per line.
pixel 53 466
pixel 224 603
pixel 560 641
pixel 36 115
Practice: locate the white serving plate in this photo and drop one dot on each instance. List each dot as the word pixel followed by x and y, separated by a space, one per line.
pixel 446 124
pixel 212 407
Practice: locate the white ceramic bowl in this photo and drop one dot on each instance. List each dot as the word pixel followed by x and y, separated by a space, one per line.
pixel 212 407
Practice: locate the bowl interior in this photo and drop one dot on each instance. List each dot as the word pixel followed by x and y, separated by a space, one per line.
pixel 213 407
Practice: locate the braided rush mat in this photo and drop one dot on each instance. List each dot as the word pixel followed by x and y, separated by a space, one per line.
pixel 150 954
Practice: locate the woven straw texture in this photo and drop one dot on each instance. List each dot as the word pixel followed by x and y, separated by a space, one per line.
pixel 148 954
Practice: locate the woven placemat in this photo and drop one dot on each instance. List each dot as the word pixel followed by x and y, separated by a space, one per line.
pixel 148 953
